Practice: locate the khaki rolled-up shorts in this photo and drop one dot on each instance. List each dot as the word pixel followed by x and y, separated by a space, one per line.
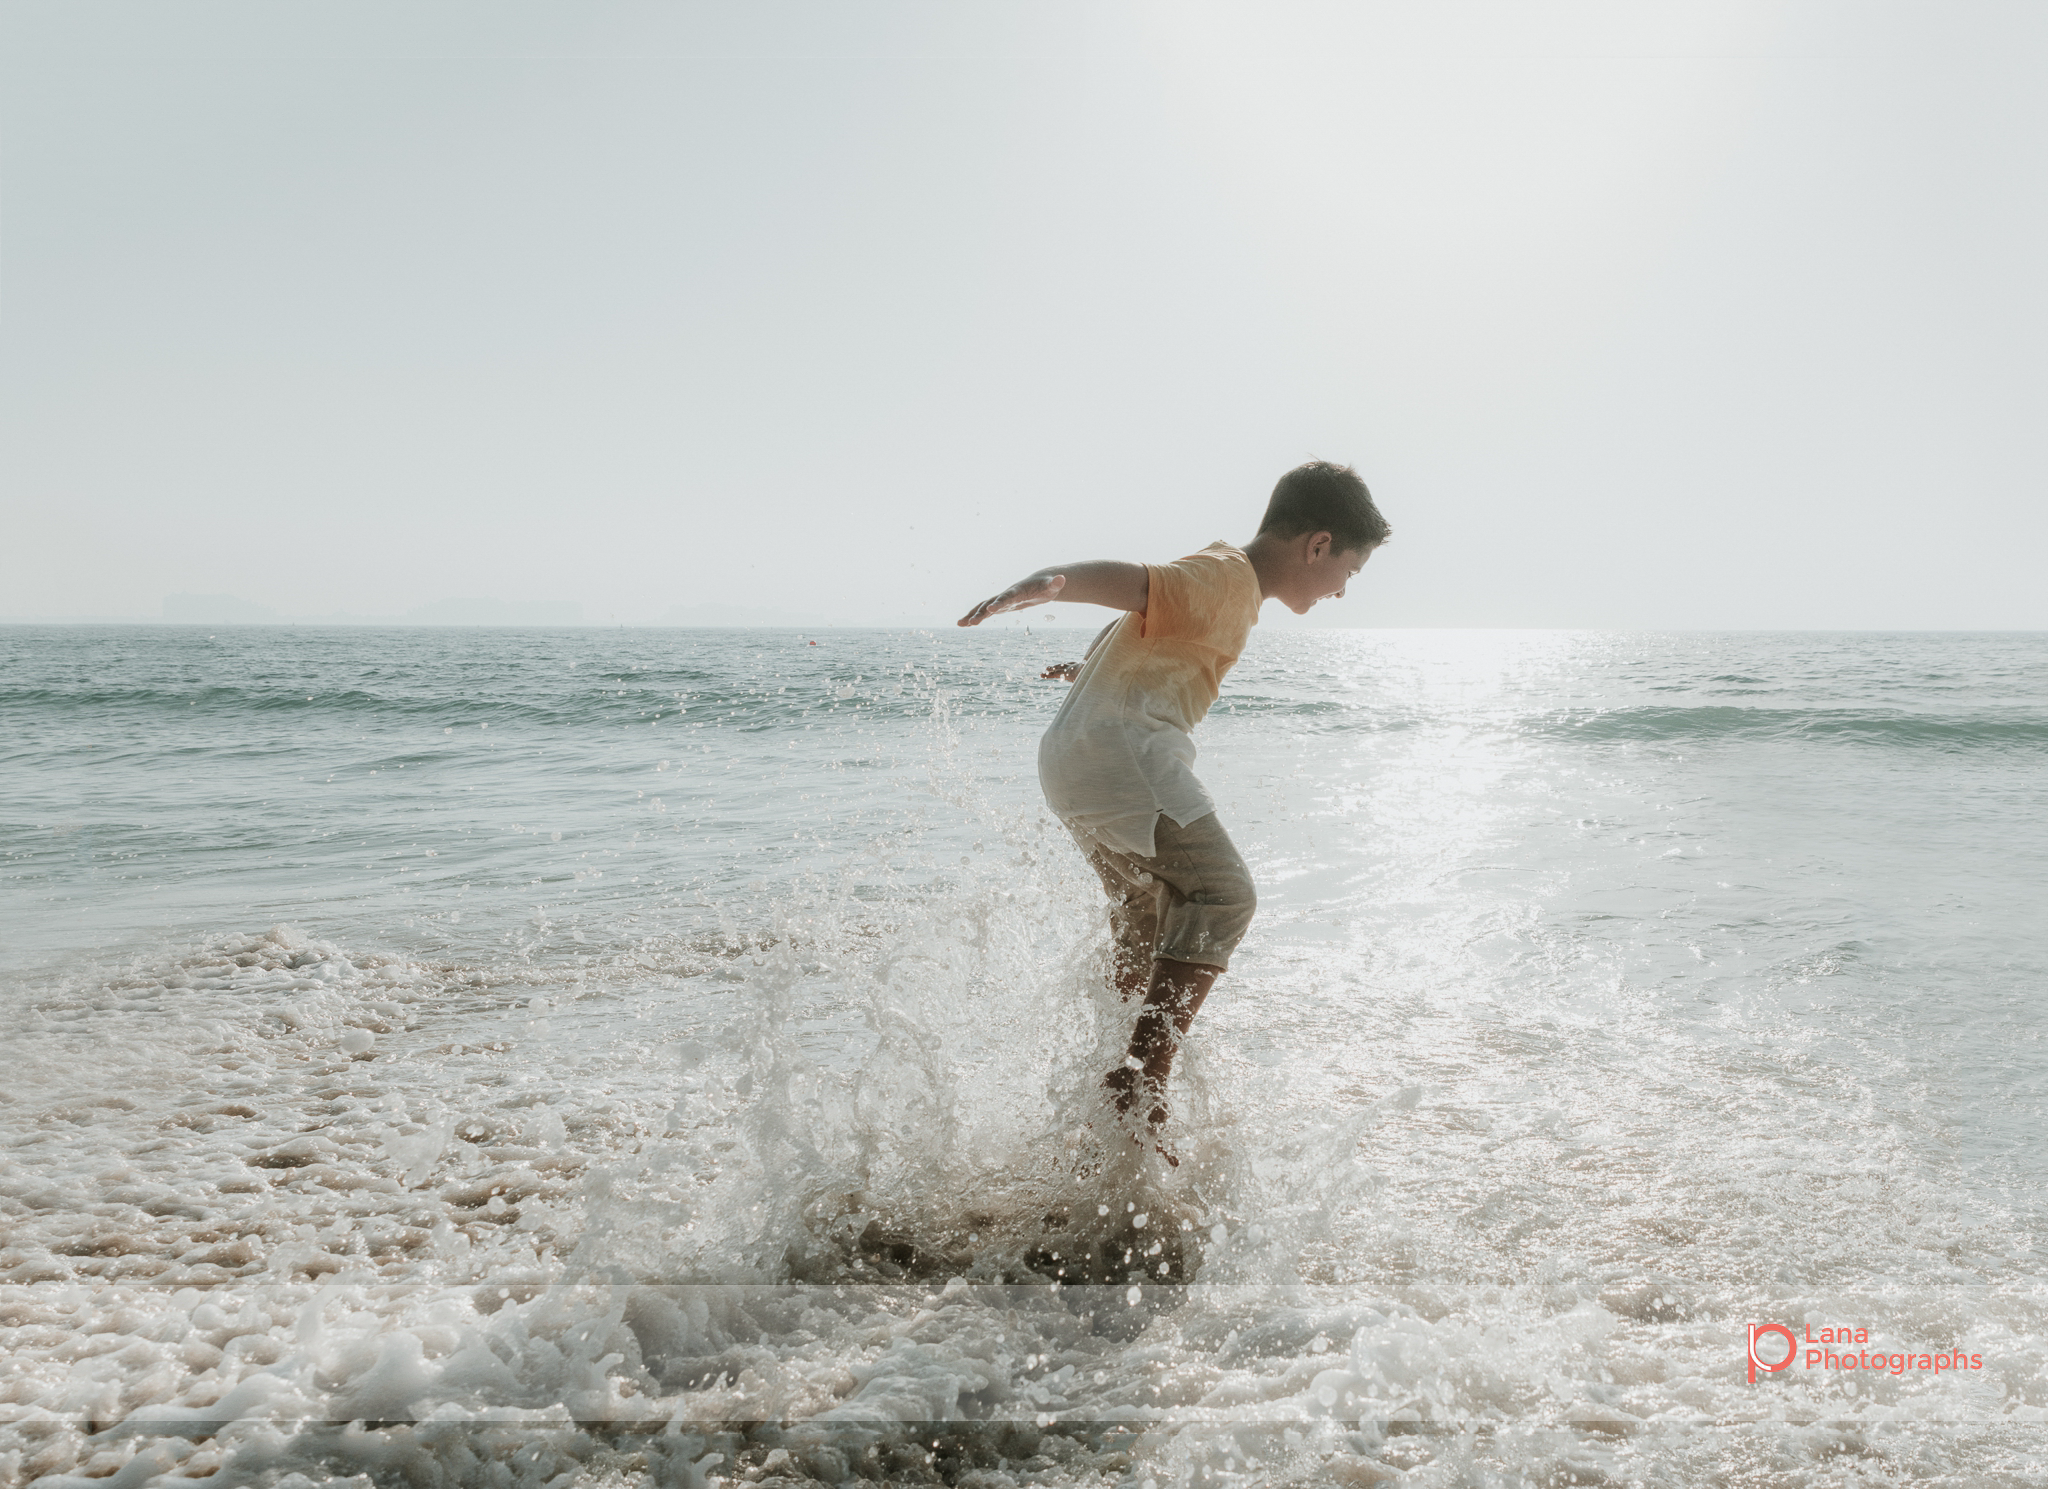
pixel 1192 901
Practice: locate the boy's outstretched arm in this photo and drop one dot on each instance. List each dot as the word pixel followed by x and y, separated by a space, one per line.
pixel 1099 581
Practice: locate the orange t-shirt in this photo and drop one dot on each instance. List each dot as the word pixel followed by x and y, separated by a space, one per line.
pixel 1119 751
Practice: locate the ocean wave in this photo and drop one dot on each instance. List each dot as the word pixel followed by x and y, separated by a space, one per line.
pixel 1885 728
pixel 1707 723
pixel 740 708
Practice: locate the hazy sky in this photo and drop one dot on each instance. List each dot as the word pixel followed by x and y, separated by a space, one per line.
pixel 1632 314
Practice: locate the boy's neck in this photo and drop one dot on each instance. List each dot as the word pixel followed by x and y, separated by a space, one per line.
pixel 1270 557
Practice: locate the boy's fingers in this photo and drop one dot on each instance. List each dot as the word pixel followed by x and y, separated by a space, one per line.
pixel 994 605
pixel 1016 597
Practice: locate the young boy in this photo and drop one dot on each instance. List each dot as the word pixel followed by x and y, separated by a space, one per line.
pixel 1117 765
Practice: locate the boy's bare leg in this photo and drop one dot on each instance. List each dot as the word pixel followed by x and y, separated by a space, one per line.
pixel 1173 996
pixel 1133 975
pixel 1134 924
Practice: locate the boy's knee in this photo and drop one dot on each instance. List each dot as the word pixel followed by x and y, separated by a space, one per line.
pixel 1230 921
pixel 1210 927
pixel 1240 896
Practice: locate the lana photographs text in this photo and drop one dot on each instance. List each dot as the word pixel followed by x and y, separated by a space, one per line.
pixel 1831 1349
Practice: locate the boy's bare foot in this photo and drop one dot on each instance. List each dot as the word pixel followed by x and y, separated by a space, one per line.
pixel 1161 1147
pixel 1125 1084
pixel 1122 1085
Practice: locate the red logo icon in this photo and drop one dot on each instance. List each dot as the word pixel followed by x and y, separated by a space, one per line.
pixel 1758 1362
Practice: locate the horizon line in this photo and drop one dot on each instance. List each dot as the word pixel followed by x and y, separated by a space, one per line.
pixel 937 626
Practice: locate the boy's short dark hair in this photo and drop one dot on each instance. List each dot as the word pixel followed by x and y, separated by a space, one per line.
pixel 1323 496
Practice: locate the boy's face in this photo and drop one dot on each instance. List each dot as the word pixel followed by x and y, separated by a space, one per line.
pixel 1322 572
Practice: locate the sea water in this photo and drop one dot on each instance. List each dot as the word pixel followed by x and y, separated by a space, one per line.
pixel 543 1057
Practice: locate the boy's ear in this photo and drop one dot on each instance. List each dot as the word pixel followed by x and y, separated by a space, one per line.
pixel 1319 546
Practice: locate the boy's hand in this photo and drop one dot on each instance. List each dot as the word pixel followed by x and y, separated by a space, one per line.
pixel 1061 672
pixel 1037 590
